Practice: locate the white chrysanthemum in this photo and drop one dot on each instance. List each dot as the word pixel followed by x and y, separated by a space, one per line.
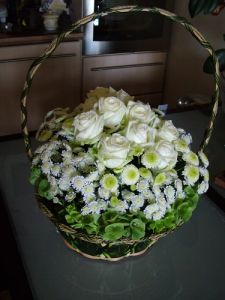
pixel 170 194
pixel 191 158
pixel 67 155
pixel 150 210
pixel 88 190
pixel 93 176
pixel 203 187
pixel 142 185
pixel 181 145
pixel 130 175
pixel 41 148
pixel 56 200
pixel 160 179
pixel 64 183
pixel 137 203
pixel 46 167
pixel 146 174
pixel 156 190
pixel 187 138
pixel 203 159
pixel 161 201
pixel 150 159
pixel 127 195
pixel 103 204
pixel 158 215
pixel 148 195
pixel 109 182
pixel 35 160
pixel 179 189
pixel 94 207
pixel 78 182
pixel 56 170
pixel 205 173
pixel 70 196
pixel 69 171
pixel 103 193
pixel 118 205
pixel 191 174
pixel 85 210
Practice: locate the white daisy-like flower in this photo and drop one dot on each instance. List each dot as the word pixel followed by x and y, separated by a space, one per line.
pixel 94 207
pixel 160 179
pixel 146 174
pixel 203 187
pixel 109 182
pixel 88 190
pixel 137 203
pixel 56 170
pixel 55 200
pixel 205 173
pixel 78 182
pixel 46 167
pixel 142 185
pixel 118 205
pixel 150 159
pixel 130 175
pixel 103 204
pixel 191 174
pixel 179 189
pixel 69 171
pixel 103 193
pixel 191 158
pixel 170 194
pixel 203 159
pixel 187 138
pixel 70 196
pixel 156 190
pixel 181 145
pixel 93 176
pixel 42 148
pixel 127 195
pixel 162 203
pixel 64 183
pixel 150 210
pixel 85 210
pixel 35 160
pixel 148 195
pixel 158 215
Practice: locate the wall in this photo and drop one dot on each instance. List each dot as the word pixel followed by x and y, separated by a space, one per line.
pixel 184 74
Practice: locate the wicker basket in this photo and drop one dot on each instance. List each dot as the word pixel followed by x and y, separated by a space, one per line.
pixel 89 245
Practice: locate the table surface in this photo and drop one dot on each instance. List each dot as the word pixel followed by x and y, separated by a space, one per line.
pixel 186 264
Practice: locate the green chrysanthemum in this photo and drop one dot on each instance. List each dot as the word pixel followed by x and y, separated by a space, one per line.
pixel 181 145
pixel 145 173
pixel 160 179
pixel 191 174
pixel 130 175
pixel 109 182
pixel 150 159
pixel 191 158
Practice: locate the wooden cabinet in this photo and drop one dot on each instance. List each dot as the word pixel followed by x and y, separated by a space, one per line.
pixel 140 74
pixel 56 84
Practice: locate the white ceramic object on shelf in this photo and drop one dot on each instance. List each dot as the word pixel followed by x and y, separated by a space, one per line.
pixel 50 21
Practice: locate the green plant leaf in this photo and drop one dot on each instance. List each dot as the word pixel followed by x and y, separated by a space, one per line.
pixel 35 175
pixel 208 66
pixel 185 211
pixel 113 232
pixel 43 188
pixel 137 229
pixel 197 6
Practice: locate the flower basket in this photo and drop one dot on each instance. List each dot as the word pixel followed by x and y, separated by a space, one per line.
pixel 112 174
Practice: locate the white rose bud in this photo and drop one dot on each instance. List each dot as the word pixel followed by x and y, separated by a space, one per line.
pixel 113 151
pixel 113 110
pixel 88 127
pixel 140 133
pixel 168 154
pixel 168 131
pixel 140 111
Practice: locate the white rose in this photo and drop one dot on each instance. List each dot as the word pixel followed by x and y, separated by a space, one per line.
pixel 140 111
pixel 113 151
pixel 88 127
pixel 167 153
pixel 140 133
pixel 113 110
pixel 168 131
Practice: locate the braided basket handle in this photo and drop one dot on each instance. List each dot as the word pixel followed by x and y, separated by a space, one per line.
pixel 120 9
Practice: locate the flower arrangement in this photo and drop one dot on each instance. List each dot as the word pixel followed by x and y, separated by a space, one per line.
pixel 115 168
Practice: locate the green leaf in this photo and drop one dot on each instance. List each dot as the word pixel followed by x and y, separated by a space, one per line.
pixel 185 211
pixel 137 229
pixel 197 6
pixel 43 188
pixel 208 66
pixel 113 232
pixel 35 175
pixel 189 191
